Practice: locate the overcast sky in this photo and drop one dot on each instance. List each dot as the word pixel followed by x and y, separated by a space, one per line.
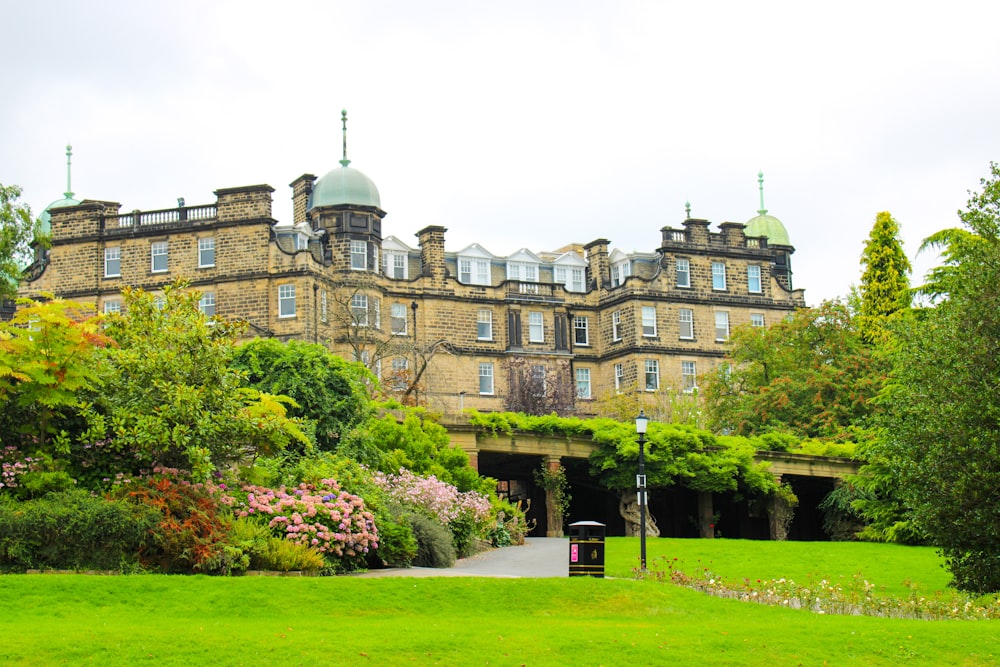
pixel 521 124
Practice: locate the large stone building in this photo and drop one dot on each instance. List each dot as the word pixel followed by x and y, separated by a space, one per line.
pixel 456 328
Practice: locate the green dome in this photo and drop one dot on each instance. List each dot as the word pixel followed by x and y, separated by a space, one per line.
pixel 45 220
pixel 344 185
pixel 769 226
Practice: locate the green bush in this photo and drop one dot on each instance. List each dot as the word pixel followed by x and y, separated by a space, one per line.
pixel 73 530
pixel 397 546
pixel 435 547
pixel 463 532
pixel 284 555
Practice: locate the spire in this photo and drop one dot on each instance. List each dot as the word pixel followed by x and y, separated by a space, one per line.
pixel 69 163
pixel 343 118
pixel 760 180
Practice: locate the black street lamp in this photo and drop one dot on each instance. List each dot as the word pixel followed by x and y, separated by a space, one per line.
pixel 640 482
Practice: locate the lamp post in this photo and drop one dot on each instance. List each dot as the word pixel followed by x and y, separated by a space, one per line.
pixel 640 482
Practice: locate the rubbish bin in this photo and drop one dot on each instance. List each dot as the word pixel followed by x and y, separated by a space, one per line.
pixel 586 549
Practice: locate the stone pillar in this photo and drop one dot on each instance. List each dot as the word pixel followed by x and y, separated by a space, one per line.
pixel 553 516
pixel 697 231
pixel 733 234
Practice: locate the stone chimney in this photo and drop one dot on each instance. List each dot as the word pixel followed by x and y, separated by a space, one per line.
pixel 733 234
pixel 301 187
pixel 697 230
pixel 431 240
pixel 598 269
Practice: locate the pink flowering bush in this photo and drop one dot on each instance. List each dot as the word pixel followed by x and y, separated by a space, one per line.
pixel 437 499
pixel 13 465
pixel 464 513
pixel 322 516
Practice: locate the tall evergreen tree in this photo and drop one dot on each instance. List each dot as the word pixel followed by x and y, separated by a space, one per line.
pixel 885 282
pixel 942 424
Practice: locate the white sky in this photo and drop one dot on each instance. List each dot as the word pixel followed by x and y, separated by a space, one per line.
pixel 521 124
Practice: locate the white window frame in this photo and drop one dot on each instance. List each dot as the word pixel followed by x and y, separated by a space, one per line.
pixel 721 326
pixel 581 330
pixel 398 319
pixel 683 272
pixel 206 245
pixel 620 271
pixel 686 321
pixel 486 386
pixel 619 376
pixel 536 327
pixel 719 276
pixel 649 321
pixel 689 377
pixel 359 310
pixel 484 324
pixel 754 284
pixel 206 305
pixel 757 319
pixel 616 325
pixel 651 372
pixel 359 255
pixel 394 264
pixel 286 300
pixel 400 371
pixel 113 257
pixel 159 249
pixel 112 306
pixel 583 383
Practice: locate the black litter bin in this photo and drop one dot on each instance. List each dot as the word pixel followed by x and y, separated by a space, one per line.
pixel 586 549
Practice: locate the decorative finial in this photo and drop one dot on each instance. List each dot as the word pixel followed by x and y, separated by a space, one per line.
pixel 69 161
pixel 687 209
pixel 760 180
pixel 343 118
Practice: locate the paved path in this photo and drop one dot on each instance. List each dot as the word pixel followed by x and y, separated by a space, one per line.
pixel 538 557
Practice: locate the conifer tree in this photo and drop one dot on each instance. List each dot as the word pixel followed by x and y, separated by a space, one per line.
pixel 885 282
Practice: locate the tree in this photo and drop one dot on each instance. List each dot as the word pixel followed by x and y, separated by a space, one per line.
pixel 885 283
pixel 17 231
pixel 171 395
pixel 810 375
pixel 538 389
pixel 47 361
pixel 942 422
pixel 328 391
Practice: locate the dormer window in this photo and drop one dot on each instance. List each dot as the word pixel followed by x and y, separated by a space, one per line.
pixel 473 265
pixel 620 271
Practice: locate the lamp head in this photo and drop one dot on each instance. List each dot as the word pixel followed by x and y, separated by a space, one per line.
pixel 640 422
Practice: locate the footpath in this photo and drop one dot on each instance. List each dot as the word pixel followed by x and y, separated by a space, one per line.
pixel 538 557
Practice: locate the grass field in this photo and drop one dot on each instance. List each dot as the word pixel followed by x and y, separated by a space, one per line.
pixel 70 619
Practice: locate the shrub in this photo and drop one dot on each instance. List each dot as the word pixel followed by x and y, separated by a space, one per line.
pixel 73 530
pixel 335 522
pixel 397 544
pixel 435 547
pixel 191 535
pixel 286 556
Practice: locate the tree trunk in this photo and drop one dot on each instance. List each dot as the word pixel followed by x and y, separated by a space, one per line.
pixel 628 508
pixel 706 527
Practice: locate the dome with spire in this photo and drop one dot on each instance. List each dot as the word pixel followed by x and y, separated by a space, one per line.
pixel 767 225
pixel 45 219
pixel 344 185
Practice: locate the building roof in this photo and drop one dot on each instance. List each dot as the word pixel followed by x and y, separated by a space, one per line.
pixel 766 225
pixel 45 219
pixel 344 185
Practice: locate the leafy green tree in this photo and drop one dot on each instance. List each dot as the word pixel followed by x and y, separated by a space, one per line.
pixel 17 231
pixel 885 283
pixel 327 390
pixel 942 425
pixel 810 375
pixel 171 395
pixel 47 361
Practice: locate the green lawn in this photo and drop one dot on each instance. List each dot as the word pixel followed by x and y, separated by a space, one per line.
pixel 161 620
